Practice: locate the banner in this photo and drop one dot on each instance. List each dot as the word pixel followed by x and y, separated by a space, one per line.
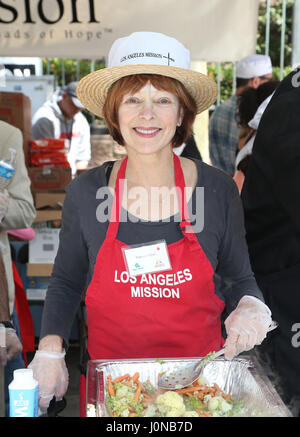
pixel 213 30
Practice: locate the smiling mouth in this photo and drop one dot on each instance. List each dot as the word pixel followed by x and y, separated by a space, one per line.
pixel 147 132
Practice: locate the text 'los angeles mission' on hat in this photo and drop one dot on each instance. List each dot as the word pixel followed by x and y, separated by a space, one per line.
pixel 146 53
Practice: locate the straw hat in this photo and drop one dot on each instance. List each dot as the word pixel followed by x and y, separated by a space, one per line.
pixel 146 53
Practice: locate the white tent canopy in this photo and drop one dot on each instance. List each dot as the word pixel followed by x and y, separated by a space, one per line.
pixel 213 30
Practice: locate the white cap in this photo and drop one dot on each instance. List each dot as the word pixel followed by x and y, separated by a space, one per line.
pixel 260 110
pixel 77 102
pixel 148 48
pixel 21 374
pixel 254 66
pixel 71 91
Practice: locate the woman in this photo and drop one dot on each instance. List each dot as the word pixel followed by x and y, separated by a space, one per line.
pixel 152 290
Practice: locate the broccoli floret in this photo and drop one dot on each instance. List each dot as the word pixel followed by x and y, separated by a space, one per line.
pixel 193 403
pixel 237 408
pixel 149 387
pixel 137 407
pixel 117 405
pixel 122 391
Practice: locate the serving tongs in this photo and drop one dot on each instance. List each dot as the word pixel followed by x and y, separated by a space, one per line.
pixel 186 375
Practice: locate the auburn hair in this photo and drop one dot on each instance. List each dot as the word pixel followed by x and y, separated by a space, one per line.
pixel 134 83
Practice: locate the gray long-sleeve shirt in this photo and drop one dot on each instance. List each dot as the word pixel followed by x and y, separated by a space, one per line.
pixel 222 239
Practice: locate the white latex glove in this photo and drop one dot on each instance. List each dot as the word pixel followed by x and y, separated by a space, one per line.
pixel 50 370
pixel 246 326
pixel 4 198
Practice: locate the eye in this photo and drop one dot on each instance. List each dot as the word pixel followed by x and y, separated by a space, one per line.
pixel 133 100
pixel 164 100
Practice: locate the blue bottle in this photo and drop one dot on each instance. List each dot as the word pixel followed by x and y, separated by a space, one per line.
pixel 23 394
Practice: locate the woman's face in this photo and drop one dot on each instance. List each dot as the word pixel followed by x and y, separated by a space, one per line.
pixel 148 119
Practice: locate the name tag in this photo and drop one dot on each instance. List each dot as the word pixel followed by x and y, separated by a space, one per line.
pixel 147 258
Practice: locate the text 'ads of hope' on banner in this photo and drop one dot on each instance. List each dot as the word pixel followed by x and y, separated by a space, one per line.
pixel 213 30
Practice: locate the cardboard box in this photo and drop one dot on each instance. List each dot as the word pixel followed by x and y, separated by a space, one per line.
pixel 49 206
pixel 51 200
pixel 47 215
pixel 43 270
pixel 15 109
pixel 43 248
pixel 45 179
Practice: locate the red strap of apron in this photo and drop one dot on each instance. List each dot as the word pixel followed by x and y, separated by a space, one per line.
pixel 117 202
pixel 24 315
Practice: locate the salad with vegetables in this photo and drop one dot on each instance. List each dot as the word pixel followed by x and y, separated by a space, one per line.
pixel 127 396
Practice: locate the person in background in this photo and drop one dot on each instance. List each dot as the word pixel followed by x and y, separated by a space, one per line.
pixel 224 131
pixel 271 202
pixel 138 309
pixel 188 149
pixel 251 105
pixel 61 117
pixel 17 211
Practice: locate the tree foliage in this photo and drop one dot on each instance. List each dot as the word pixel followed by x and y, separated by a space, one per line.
pixel 73 69
pixel 275 31
pixel 226 70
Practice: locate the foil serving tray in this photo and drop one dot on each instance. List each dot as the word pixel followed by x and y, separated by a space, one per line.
pixel 244 379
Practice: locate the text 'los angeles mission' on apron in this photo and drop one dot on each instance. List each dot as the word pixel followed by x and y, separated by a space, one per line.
pixel 174 313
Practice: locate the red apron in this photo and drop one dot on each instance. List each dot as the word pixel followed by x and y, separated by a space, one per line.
pixel 167 314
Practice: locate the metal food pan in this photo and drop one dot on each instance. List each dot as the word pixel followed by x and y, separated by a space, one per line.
pixel 243 378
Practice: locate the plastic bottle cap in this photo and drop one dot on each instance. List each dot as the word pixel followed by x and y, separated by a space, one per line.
pixel 23 374
pixel 6 165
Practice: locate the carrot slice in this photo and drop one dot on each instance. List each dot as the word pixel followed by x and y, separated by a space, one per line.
pixel 182 391
pixel 137 394
pixel 120 378
pixel 110 387
pixel 135 377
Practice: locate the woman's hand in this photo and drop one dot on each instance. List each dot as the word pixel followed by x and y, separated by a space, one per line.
pixel 50 370
pixel 246 326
